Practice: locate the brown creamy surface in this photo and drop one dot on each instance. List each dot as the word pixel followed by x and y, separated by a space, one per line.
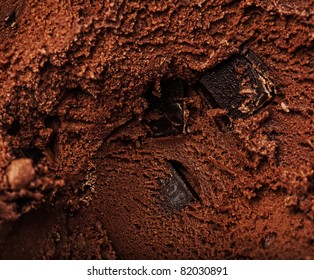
pixel 79 90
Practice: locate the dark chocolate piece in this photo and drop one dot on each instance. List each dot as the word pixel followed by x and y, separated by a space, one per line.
pixel 241 85
pixel 266 88
pixel 177 191
pixel 168 109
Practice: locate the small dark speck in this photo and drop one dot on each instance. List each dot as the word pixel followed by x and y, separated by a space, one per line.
pixel 14 128
pixel 10 20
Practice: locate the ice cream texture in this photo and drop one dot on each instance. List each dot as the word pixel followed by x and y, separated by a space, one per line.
pixel 156 129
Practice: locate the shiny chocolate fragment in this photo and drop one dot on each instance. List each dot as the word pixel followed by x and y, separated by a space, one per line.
pixel 240 85
pixel 176 190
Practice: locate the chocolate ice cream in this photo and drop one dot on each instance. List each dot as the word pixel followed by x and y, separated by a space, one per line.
pixel 156 129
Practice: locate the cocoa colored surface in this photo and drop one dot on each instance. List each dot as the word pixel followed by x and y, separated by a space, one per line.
pixel 156 130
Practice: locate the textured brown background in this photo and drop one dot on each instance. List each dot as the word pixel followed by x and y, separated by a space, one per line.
pixel 73 71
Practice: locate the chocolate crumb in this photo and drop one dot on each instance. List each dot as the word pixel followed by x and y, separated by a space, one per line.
pixel 20 173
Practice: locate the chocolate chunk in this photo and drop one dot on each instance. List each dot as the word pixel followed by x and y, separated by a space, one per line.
pixel 222 88
pixel 266 88
pixel 168 109
pixel 176 190
pixel 241 85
